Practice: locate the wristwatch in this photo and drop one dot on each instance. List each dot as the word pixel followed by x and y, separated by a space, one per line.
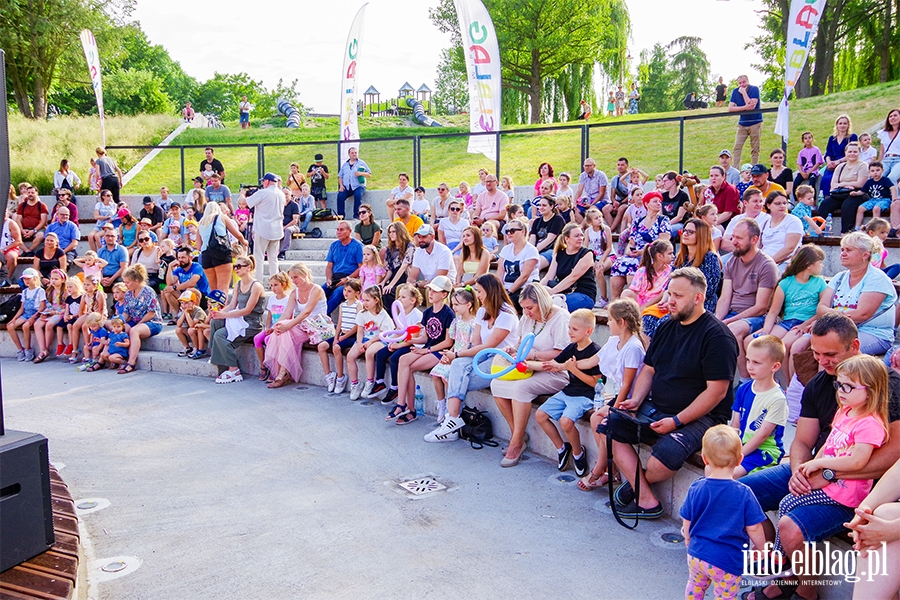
pixel 828 475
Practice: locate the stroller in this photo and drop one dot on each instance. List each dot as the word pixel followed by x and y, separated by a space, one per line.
pixel 692 101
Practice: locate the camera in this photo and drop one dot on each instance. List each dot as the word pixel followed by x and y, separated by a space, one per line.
pixel 251 189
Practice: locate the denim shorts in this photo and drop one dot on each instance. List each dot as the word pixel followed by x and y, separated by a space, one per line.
pixel 562 405
pixel 755 323
pixel 155 327
pixel 788 324
pixel 548 254
pixel 345 344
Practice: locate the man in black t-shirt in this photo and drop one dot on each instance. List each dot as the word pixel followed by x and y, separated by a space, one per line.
pixel 154 213
pixel 210 165
pixel 834 338
pixel 290 221
pixel 317 174
pixel 684 388
pixel 721 89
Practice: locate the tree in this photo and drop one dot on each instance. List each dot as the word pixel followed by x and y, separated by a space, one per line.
pixel 451 94
pixel 691 65
pixel 539 40
pixel 36 34
pixel 653 72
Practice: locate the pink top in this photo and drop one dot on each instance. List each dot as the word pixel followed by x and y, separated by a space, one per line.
pixel 92 270
pixel 537 186
pixel 371 275
pixel 492 205
pixel 640 285
pixel 845 432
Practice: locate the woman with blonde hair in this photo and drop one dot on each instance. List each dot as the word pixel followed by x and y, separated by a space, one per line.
pixel 215 255
pixel 836 149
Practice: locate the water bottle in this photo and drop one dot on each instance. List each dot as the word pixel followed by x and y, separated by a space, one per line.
pixel 821 198
pixel 420 401
pixel 829 225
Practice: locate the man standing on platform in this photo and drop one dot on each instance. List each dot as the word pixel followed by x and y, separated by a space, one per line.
pixel 267 229
pixel 745 97
pixel 352 181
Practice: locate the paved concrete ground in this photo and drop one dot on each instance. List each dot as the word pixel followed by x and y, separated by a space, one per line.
pixel 241 492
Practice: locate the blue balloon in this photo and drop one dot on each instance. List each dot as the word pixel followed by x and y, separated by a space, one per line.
pixel 524 348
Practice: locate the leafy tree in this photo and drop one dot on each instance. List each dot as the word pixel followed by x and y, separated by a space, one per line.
pixel 451 94
pixel 690 64
pixel 656 78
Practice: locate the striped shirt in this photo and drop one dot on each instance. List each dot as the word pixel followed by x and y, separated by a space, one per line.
pixel 348 316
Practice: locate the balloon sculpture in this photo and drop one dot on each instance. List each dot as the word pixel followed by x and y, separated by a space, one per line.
pixel 517 368
pixel 404 332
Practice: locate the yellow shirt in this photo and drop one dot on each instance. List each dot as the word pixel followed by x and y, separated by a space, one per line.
pixel 412 226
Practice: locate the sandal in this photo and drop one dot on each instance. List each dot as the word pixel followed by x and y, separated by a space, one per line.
pixel 280 382
pixel 95 367
pixel 41 357
pixel 397 412
pixel 264 374
pixel 230 377
pixel 126 368
pixel 409 417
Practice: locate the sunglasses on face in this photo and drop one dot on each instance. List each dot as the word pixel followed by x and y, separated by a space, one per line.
pixel 240 266
pixel 455 209
pixel 143 239
pixel 513 230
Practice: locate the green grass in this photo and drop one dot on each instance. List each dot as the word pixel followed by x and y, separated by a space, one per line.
pixel 652 147
pixel 36 147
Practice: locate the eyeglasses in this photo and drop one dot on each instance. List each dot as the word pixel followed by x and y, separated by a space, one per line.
pixel 688 231
pixel 455 209
pixel 443 190
pixel 143 239
pixel 847 388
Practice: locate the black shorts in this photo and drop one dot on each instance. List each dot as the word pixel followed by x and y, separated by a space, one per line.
pixel 674 448
pixel 210 259
pixel 318 193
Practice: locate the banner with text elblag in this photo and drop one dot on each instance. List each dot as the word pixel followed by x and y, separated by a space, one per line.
pixel 349 120
pixel 802 25
pixel 483 68
pixel 92 54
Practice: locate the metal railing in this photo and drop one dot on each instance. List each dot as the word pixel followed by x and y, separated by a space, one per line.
pixel 416 141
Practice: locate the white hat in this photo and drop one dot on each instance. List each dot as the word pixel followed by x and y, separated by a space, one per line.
pixel 441 283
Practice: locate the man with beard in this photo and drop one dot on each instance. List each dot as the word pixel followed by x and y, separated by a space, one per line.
pixel 749 279
pixel 185 275
pixel 684 388
pixel 431 259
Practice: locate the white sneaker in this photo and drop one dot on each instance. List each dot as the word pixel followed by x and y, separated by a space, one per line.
pixel 356 390
pixel 367 389
pixel 341 384
pixel 330 380
pixel 601 302
pixel 447 432
pixel 441 411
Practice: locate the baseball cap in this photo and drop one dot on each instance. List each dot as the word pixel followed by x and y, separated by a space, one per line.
pixel 759 169
pixel 726 153
pixel 218 296
pixel 198 179
pixel 148 200
pixel 425 230
pixel 30 273
pixel 189 222
pixel 110 225
pixel 319 157
pixel 186 296
pixel 175 224
pixel 746 167
pixel 122 212
pixel 441 283
pixel 147 221
pixel 270 177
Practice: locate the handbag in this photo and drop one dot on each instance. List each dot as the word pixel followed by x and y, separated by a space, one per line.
pixel 628 427
pixel 218 243
pixel 318 327
pixel 477 428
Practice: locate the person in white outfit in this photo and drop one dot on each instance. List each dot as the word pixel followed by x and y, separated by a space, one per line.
pixel 268 202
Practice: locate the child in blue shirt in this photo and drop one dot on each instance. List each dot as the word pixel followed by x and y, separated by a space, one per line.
pixel 806 202
pixel 760 408
pixel 745 181
pixel 880 191
pixel 93 346
pixel 116 350
pixel 307 206
pixel 720 517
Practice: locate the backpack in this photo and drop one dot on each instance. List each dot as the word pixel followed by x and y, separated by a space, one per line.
pixel 323 214
pixel 477 430
pixel 9 307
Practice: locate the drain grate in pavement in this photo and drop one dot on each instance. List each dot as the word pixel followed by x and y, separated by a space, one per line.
pixel 425 485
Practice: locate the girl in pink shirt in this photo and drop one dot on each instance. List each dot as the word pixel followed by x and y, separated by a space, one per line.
pixel 372 271
pixel 652 277
pixel 860 425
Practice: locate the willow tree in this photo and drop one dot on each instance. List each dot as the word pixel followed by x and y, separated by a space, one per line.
pixel 539 41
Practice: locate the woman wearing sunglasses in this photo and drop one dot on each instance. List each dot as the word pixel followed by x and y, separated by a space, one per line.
pixel 238 322
pixel 452 226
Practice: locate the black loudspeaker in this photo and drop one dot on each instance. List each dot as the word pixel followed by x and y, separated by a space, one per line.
pixel 26 510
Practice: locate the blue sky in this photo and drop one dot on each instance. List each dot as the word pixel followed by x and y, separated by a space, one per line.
pixel 272 39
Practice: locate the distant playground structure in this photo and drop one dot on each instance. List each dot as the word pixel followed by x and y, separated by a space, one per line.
pixel 416 103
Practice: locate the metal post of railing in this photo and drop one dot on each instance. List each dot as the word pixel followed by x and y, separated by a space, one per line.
pixel 260 160
pixel 182 169
pixel 497 161
pixel 681 145
pixel 417 163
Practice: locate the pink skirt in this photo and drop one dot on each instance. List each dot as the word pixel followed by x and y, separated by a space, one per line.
pixel 285 350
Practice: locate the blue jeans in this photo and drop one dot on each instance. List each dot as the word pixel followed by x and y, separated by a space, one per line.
pixel 892 167
pixel 463 379
pixel 892 270
pixel 336 295
pixel 357 200
pixel 307 217
pixel 577 300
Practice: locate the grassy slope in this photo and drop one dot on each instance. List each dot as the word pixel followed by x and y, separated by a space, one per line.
pixel 652 147
pixel 36 147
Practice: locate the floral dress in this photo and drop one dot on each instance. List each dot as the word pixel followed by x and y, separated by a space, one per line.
pixel 639 236
pixel 461 333
pixel 138 306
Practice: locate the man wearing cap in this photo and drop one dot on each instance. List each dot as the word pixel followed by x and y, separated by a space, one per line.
pixel 185 275
pixel 116 258
pixel 732 175
pixel 431 259
pixel 66 232
pixel 317 174
pixel 217 191
pixel 411 221
pixel 344 259
pixel 723 195
pixel 745 97
pixel 759 175
pixel 268 201
pixel 154 213
pixel 352 181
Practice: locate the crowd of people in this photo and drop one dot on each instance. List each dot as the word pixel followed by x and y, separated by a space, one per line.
pixel 709 284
